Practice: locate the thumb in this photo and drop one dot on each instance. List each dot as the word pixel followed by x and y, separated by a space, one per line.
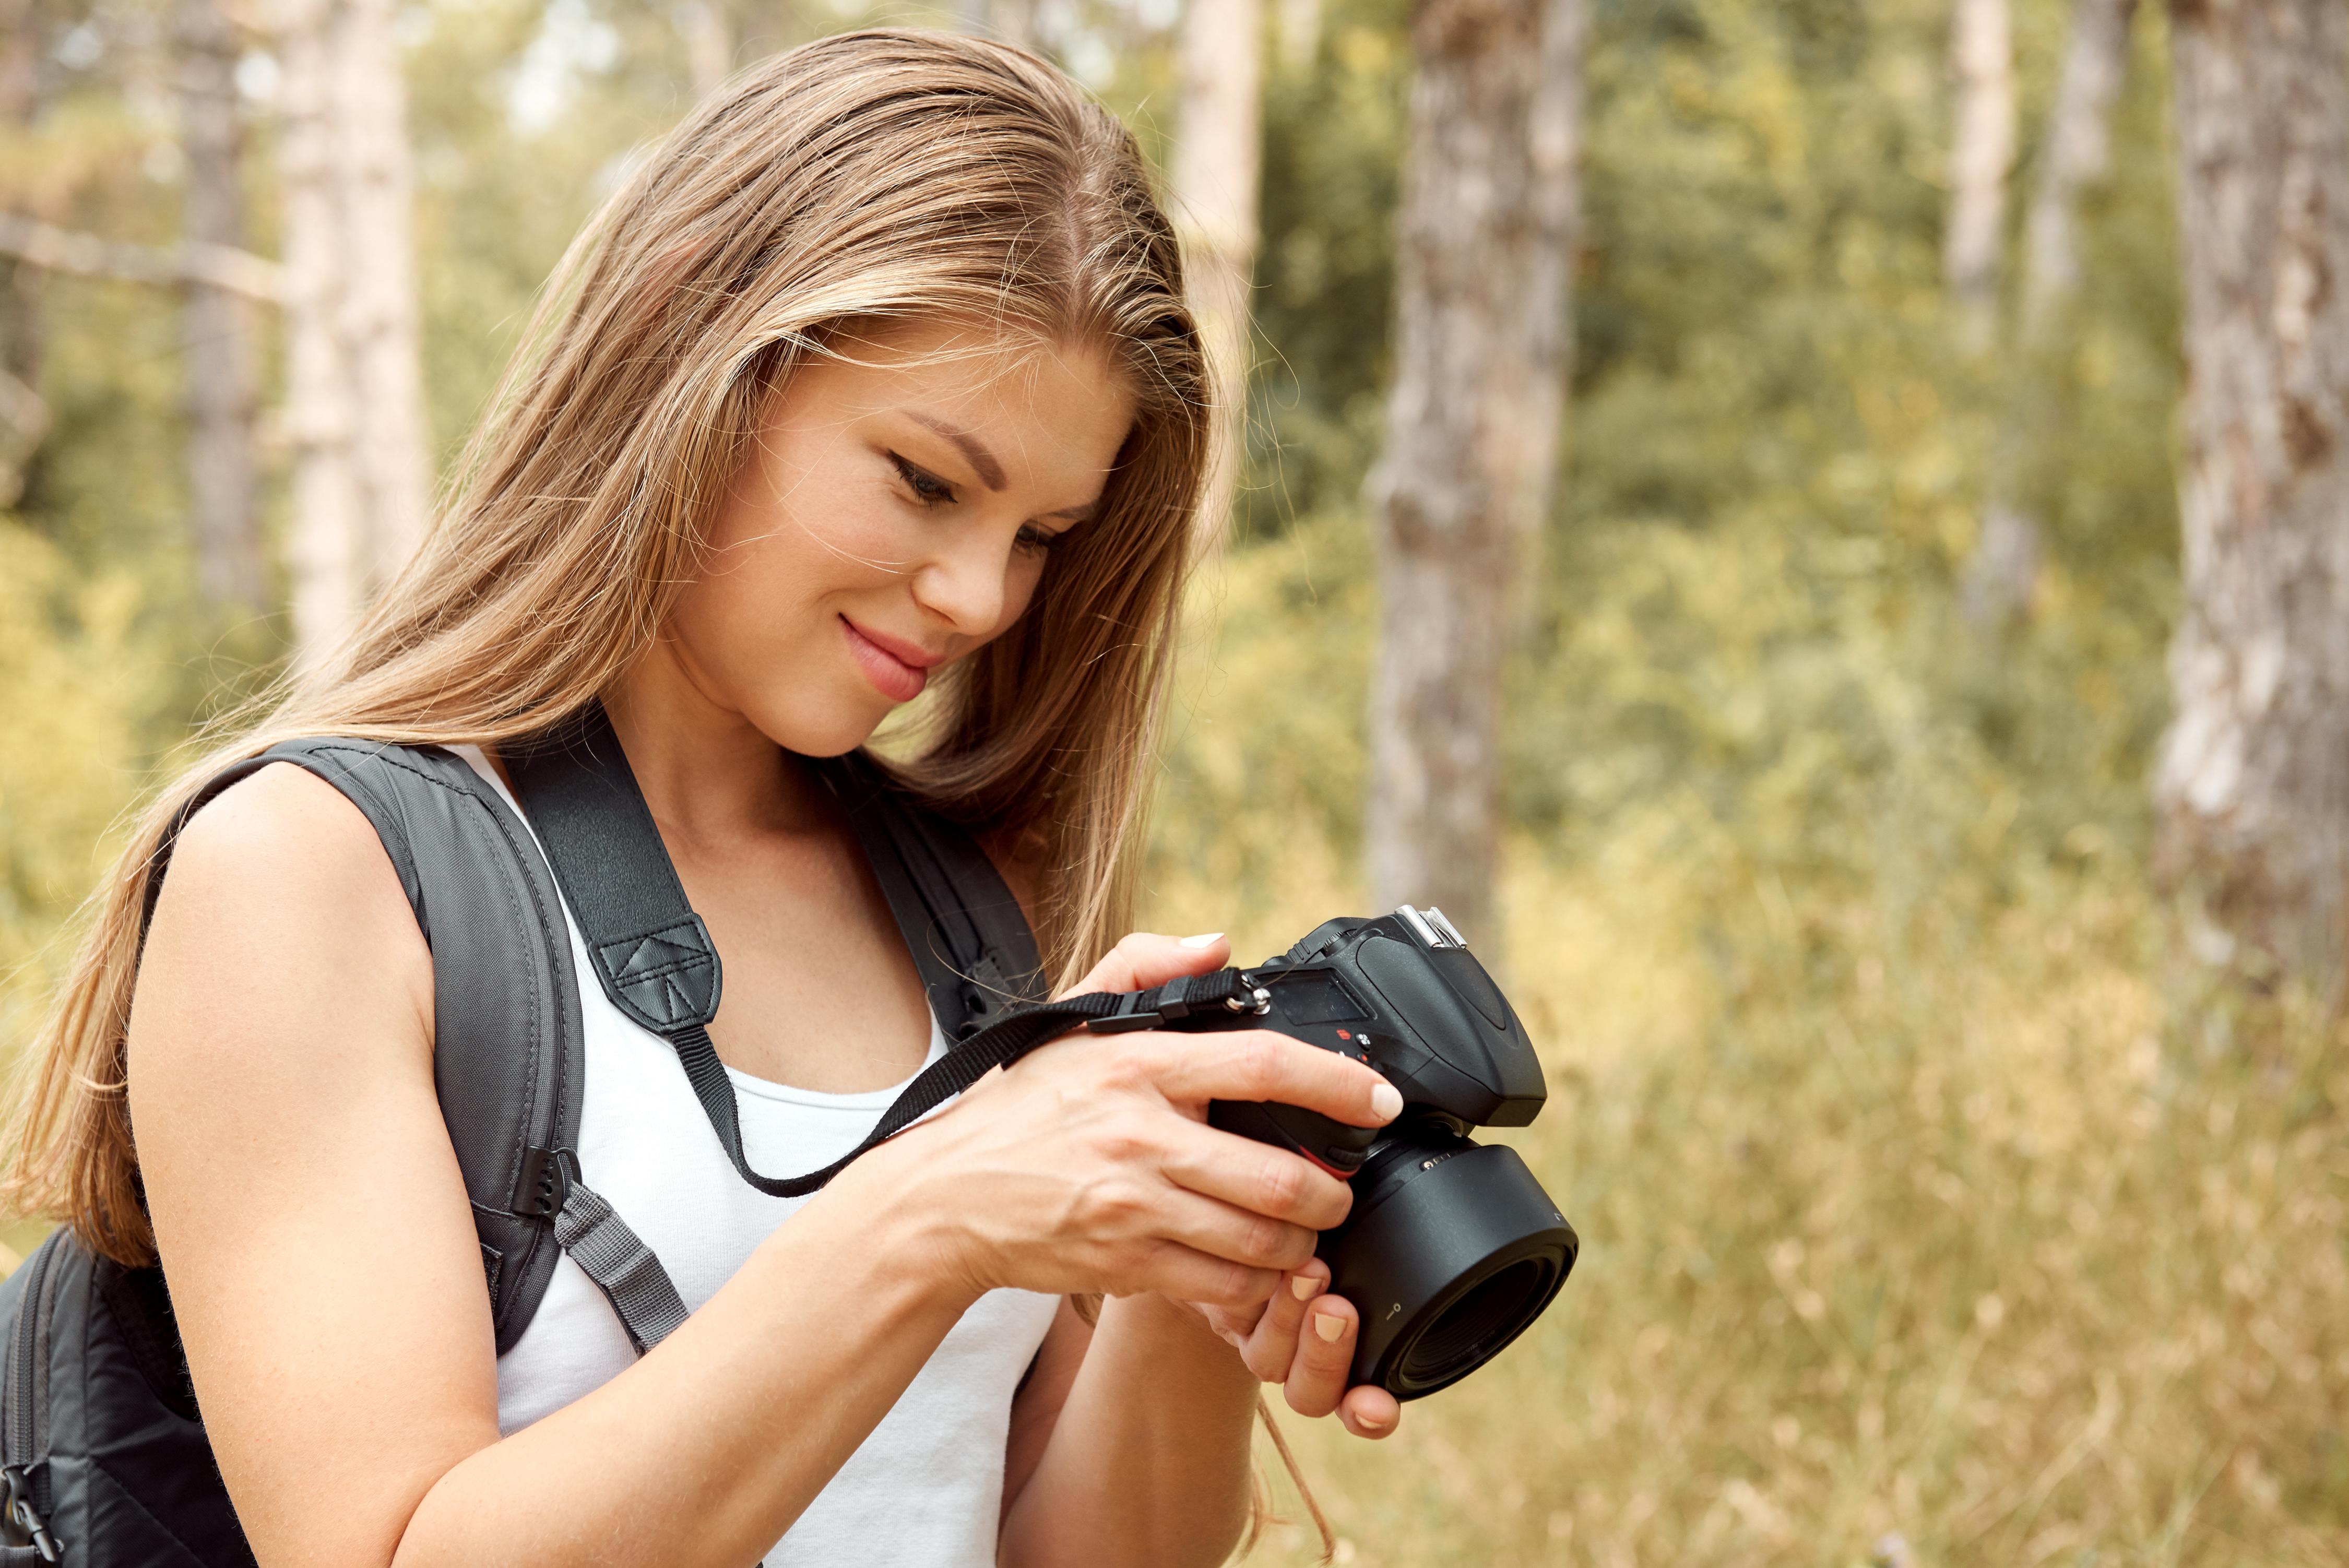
pixel 1144 959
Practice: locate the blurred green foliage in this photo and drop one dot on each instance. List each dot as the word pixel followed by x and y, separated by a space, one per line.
pixel 1918 1195
pixel 1778 457
pixel 1919 1198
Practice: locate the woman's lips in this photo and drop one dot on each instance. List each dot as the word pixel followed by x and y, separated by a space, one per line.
pixel 893 677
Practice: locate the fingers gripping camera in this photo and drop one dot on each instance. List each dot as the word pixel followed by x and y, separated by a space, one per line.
pixel 1452 1248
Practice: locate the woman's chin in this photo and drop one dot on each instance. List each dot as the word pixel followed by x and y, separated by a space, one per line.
pixel 834 732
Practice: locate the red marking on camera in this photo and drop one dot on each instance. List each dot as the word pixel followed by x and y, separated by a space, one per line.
pixel 1340 1175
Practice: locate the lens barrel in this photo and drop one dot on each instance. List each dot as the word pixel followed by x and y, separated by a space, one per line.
pixel 1452 1249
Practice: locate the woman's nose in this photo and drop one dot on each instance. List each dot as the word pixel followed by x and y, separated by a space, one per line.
pixel 965 585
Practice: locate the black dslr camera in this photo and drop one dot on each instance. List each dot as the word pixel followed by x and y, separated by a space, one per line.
pixel 1452 1248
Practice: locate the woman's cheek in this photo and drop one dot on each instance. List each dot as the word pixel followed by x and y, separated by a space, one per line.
pixel 1026 572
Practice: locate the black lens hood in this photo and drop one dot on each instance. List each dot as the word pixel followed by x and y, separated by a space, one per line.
pixel 1456 1251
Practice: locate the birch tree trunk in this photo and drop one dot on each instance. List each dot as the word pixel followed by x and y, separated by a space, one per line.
pixel 1300 34
pixel 2079 157
pixel 1219 159
pixel 1486 229
pixel 223 385
pixel 709 28
pixel 393 447
pixel 361 485
pixel 1981 146
pixel 1013 22
pixel 2002 574
pixel 24 416
pixel 2252 784
pixel 324 550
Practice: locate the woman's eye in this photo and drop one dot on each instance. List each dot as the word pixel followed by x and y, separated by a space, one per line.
pixel 1034 539
pixel 928 488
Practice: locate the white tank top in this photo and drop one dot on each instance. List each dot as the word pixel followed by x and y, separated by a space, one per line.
pixel 926 1488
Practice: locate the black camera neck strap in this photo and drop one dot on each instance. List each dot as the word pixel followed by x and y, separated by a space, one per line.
pixel 1012 1036
pixel 656 963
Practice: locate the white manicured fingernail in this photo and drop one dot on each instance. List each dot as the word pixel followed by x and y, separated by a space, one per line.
pixel 1386 1102
pixel 1209 940
pixel 1372 1424
pixel 1330 1326
pixel 1305 1287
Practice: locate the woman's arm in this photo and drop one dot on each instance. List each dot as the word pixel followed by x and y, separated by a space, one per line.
pixel 324 1267
pixel 1131 1441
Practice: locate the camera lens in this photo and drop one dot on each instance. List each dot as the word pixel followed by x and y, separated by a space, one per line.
pixel 1471 1330
pixel 1453 1251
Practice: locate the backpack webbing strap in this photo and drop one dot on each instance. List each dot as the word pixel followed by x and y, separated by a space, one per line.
pixel 509 1056
pixel 658 965
pixel 961 923
pixel 623 1268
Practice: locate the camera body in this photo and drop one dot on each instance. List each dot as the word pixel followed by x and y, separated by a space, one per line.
pixel 1452 1249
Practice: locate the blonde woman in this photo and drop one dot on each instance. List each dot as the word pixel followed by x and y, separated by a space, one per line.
pixel 877 376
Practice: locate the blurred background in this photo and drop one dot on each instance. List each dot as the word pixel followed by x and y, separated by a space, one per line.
pixel 1706 511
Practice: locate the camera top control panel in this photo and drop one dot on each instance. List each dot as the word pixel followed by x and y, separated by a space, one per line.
pixel 1403 995
pixel 1438 1027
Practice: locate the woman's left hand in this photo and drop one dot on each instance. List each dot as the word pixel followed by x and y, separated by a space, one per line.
pixel 1303 1337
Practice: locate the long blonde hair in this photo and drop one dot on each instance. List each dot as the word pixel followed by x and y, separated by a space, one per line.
pixel 863 179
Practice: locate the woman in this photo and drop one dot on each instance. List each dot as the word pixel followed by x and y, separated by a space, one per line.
pixel 877 373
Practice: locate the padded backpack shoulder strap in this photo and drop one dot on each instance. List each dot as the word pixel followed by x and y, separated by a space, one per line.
pixel 968 934
pixel 653 955
pixel 508 1058
pixel 655 959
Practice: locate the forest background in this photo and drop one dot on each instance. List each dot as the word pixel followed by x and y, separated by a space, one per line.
pixel 1935 1207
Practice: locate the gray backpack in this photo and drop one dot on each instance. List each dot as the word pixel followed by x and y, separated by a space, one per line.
pixel 102 1448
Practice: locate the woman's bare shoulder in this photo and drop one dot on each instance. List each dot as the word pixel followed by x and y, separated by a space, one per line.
pixel 280 879
pixel 282 833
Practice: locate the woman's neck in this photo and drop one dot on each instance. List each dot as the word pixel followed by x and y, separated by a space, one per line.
pixel 706 772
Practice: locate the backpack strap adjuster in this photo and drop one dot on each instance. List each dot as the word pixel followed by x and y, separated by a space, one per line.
pixel 546 1182
pixel 22 1518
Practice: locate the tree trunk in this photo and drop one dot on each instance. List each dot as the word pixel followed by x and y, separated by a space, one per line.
pixel 1300 36
pixel 708 27
pixel 1013 22
pixel 2252 783
pixel 2079 156
pixel 1218 156
pixel 361 485
pixel 723 36
pixel 24 416
pixel 221 377
pixel 393 445
pixel 1981 146
pixel 1472 422
pixel 323 550
pixel 2003 572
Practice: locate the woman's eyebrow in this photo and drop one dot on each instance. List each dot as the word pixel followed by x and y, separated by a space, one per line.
pixel 991 472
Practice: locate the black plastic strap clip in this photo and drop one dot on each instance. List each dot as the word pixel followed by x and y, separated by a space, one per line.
pixel 24 1526
pixel 546 1182
pixel 1228 989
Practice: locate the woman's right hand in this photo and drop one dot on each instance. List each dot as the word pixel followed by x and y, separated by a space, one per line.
pixel 1088 1167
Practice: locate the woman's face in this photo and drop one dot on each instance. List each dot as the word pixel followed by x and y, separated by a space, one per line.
pixel 893 515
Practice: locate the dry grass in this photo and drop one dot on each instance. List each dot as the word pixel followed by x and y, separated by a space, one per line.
pixel 1929 1217
pixel 1982 1254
